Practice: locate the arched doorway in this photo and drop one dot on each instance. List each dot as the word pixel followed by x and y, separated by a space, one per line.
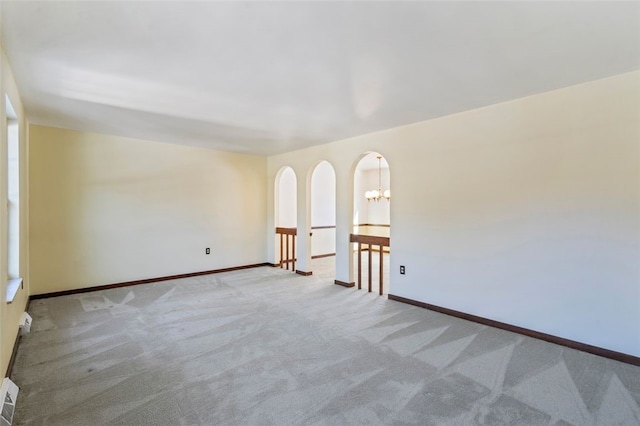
pixel 372 223
pixel 323 220
pixel 285 215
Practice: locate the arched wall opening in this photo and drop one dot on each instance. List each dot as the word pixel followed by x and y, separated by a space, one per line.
pixel 285 214
pixel 372 217
pixel 286 198
pixel 323 218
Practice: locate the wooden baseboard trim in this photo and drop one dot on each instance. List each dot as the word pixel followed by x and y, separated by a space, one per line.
pixel 319 256
pixel 145 281
pixel 343 284
pixel 14 352
pixel 303 273
pixel 595 350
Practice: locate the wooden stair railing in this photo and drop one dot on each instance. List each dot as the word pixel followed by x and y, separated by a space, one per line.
pixel 371 241
pixel 287 256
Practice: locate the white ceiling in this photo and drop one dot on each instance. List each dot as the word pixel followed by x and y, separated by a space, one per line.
pixel 270 77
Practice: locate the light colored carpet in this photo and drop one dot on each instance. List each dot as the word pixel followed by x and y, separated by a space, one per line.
pixel 269 347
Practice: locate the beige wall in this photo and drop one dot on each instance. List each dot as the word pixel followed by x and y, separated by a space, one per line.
pixel 10 313
pixel 525 212
pixel 107 209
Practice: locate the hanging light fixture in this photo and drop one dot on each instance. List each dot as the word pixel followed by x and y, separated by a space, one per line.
pixel 377 194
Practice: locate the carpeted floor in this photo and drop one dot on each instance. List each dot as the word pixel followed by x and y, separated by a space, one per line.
pixel 268 347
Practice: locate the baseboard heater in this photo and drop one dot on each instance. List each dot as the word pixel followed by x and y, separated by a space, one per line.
pixel 9 395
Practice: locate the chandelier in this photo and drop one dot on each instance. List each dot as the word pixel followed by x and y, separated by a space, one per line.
pixel 377 194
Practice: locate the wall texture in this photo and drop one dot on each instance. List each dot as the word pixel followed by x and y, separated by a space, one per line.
pixel 107 209
pixel 525 212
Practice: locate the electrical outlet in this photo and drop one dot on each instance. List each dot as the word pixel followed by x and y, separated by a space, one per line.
pixel 207 251
pixel 401 269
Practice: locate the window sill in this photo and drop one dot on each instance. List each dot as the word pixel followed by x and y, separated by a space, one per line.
pixel 13 285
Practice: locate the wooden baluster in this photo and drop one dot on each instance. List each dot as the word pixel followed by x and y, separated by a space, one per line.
pixel 287 251
pixel 370 250
pixel 381 264
pixel 281 248
pixel 293 254
pixel 359 266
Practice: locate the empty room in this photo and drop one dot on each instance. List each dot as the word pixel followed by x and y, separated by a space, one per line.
pixel 320 213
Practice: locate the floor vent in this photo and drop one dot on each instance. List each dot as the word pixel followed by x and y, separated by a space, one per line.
pixel 9 395
pixel 25 323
